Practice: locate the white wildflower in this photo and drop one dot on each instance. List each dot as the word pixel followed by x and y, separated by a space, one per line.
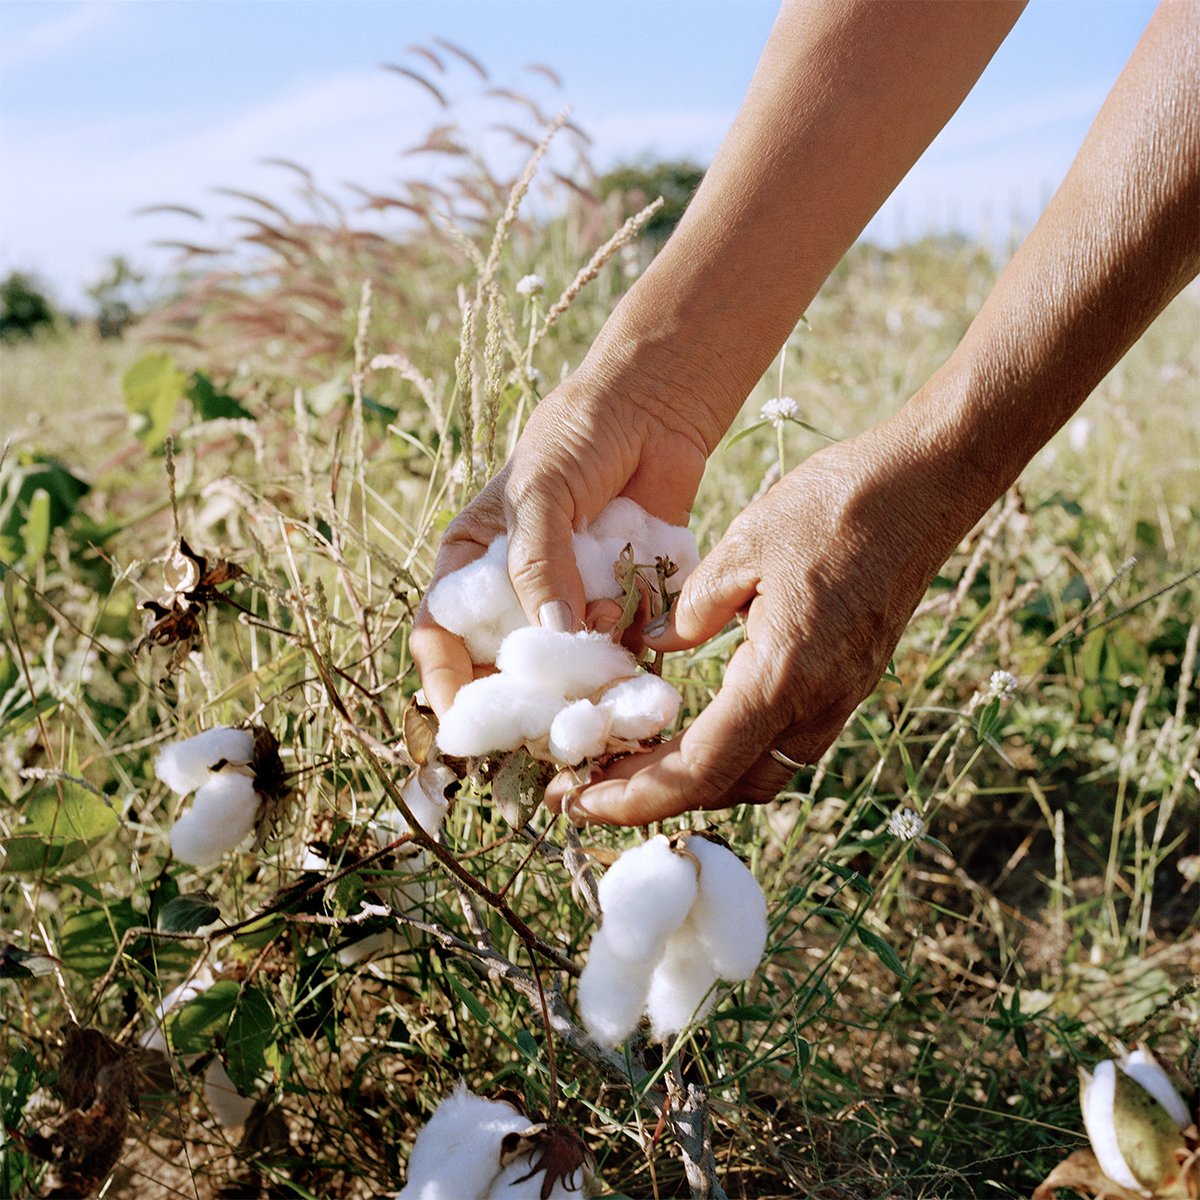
pixel 531 285
pixel 779 410
pixel 906 825
pixel 534 376
pixel 1002 686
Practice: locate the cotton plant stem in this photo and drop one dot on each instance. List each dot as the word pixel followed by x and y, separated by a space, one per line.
pixel 689 1116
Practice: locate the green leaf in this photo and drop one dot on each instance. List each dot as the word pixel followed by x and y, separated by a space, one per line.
pixel 153 387
pixel 210 404
pixel 90 937
pixel 68 810
pixel 188 912
pixel 36 531
pixel 852 877
pixel 30 854
pixel 882 951
pixel 746 1012
pixel 251 1033
pixel 742 434
pixel 191 1028
pixel 474 1005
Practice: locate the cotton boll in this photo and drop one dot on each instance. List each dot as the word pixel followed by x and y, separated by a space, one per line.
pixel 225 1102
pixel 425 794
pixel 573 664
pixel 579 731
pixel 612 992
pixel 624 519
pixel 220 818
pixel 1142 1067
pixel 519 1180
pixel 596 559
pixel 497 712
pixel 457 1154
pixel 730 913
pixel 478 603
pixel 640 707
pixel 681 987
pixel 645 896
pixel 185 766
pixel 368 947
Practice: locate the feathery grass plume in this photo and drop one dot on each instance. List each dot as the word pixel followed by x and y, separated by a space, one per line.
pixel 493 376
pixel 464 374
pixel 514 200
pixel 622 237
pixel 405 368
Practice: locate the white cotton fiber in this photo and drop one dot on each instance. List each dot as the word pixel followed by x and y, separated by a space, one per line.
pixel 624 521
pixel 498 712
pixel 225 1102
pixel 457 1154
pixel 596 559
pixel 374 943
pixel 572 664
pixel 645 896
pixel 579 731
pixel 612 991
pixel 478 603
pixel 185 766
pixel 220 818
pixel 681 987
pixel 425 794
pixel 640 707
pixel 730 913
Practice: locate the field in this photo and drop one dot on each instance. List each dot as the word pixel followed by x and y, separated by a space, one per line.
pixel 916 1027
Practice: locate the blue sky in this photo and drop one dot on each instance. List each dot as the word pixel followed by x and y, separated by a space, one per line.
pixel 110 105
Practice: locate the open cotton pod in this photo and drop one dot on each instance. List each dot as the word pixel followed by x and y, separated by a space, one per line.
pixel 477 1149
pixel 1134 1119
pixel 187 765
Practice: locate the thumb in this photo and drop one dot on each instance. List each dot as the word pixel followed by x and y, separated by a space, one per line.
pixel 541 559
pixel 711 597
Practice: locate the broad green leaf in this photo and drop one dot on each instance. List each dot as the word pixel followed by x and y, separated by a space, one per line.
pixel 31 855
pixel 210 404
pixel 251 1033
pixel 153 387
pixel 187 913
pixel 68 810
pixel 192 1028
pixel 90 937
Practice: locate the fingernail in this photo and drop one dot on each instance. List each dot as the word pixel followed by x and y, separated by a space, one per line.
pixel 657 627
pixel 555 615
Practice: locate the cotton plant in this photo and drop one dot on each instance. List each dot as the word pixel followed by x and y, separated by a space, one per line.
pixel 478 1149
pixel 1144 1140
pixel 678 916
pixel 229 773
pixel 564 697
pixel 224 1101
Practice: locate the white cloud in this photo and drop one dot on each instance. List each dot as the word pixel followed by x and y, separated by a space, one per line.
pixel 60 33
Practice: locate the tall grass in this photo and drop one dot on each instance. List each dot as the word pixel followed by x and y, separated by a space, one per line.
pixel 916 1025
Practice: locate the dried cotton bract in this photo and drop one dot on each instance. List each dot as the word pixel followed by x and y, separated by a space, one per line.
pixel 216 766
pixel 676 920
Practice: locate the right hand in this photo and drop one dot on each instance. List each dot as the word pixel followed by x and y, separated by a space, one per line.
pixel 585 444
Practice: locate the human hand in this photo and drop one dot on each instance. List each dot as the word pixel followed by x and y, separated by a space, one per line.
pixel 585 444
pixel 827 567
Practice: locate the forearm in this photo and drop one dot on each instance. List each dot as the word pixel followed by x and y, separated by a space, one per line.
pixel 846 96
pixel 1118 241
